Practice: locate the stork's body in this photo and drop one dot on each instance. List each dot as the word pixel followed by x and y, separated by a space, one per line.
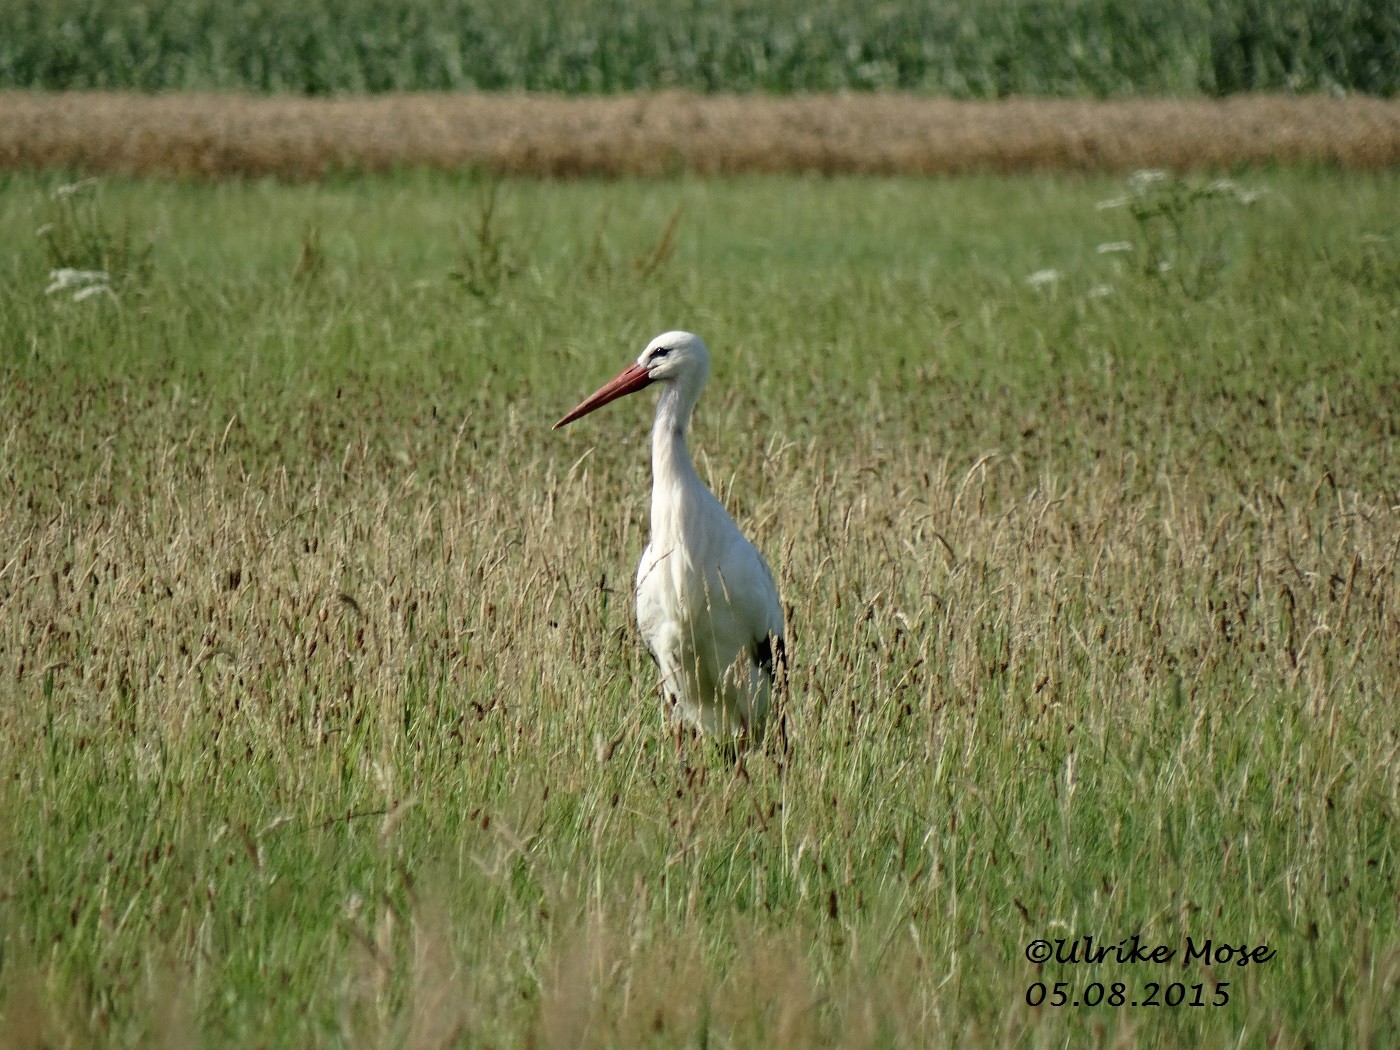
pixel 706 603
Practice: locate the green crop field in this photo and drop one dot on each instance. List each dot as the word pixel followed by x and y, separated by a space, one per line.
pixel 959 48
pixel 324 719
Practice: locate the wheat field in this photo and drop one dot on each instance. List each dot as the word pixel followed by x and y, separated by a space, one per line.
pixel 668 133
pixel 324 717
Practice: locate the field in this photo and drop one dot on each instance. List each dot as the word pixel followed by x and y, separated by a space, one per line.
pixel 982 49
pixel 324 717
pixel 671 133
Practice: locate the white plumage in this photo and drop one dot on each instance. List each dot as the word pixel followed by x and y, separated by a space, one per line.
pixel 706 603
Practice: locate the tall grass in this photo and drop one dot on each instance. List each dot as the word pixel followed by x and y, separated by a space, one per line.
pixel 958 48
pixel 323 715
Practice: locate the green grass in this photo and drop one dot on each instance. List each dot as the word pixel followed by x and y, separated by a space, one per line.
pixel 962 48
pixel 323 717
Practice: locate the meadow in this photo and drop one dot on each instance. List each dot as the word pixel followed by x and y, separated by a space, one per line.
pixel 982 49
pixel 324 719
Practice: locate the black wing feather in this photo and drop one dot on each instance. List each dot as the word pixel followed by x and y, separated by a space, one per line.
pixel 768 653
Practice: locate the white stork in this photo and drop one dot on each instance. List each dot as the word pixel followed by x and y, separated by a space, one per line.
pixel 706 603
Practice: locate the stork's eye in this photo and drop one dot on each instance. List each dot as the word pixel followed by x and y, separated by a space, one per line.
pixel 660 351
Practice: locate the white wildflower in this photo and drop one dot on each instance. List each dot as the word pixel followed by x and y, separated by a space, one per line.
pixel 1042 277
pixel 1141 181
pixel 1114 247
pixel 1099 291
pixel 1113 202
pixel 91 290
pixel 67 277
pixel 1231 188
pixel 86 282
pixel 70 188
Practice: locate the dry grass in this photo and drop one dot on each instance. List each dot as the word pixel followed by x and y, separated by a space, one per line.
pixel 535 135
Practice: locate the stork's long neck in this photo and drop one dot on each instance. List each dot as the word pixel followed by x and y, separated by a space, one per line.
pixel 673 473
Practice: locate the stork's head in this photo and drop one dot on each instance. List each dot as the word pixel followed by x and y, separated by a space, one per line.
pixel 675 355
pixel 672 357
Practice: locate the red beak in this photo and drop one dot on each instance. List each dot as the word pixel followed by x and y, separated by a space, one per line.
pixel 629 381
